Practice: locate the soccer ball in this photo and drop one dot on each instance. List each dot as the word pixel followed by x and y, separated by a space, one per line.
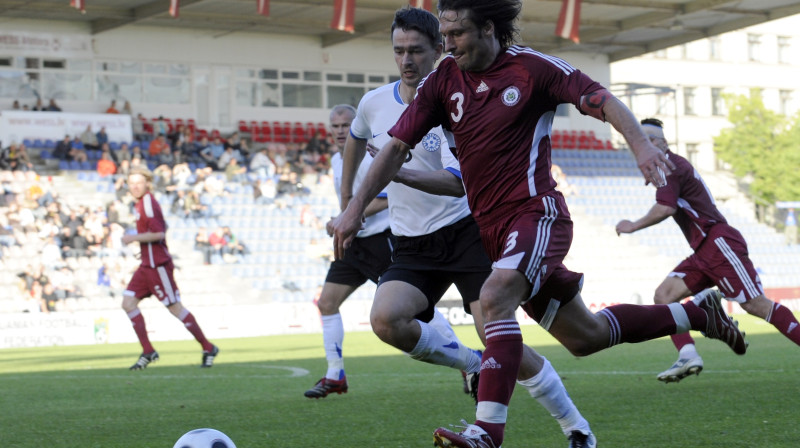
pixel 204 438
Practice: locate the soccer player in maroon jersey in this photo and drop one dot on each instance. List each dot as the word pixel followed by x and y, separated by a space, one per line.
pixel 154 275
pixel 496 102
pixel 720 255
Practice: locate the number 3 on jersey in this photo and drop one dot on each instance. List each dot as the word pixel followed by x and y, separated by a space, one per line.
pixel 511 242
pixel 458 97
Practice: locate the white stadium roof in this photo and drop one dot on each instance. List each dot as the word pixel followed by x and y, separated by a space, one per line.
pixel 618 28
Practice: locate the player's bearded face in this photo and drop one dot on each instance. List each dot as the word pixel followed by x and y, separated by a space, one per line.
pixel 464 41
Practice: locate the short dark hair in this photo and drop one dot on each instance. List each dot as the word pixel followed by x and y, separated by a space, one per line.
pixel 417 19
pixel 653 122
pixel 502 13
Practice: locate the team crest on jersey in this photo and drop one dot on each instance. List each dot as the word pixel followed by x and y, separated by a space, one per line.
pixel 431 142
pixel 510 96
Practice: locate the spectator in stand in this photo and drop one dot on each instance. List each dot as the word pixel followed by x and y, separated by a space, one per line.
pixel 235 172
pixel 136 153
pixel 20 161
pixel 264 191
pixel 53 107
pixel 193 207
pixel 39 106
pixel 217 240
pixel 159 146
pixel 192 151
pixel 126 109
pixel 212 153
pixel 202 244
pixel 112 109
pixel 160 126
pixel 102 136
pixel 89 139
pixel 261 164
pixel 49 296
pixel 106 166
pixel 63 149
pixel 104 280
pixel 238 144
pixel 562 185
pixel 15 106
pixel 232 244
pixel 122 154
pixel 33 302
pixel 137 126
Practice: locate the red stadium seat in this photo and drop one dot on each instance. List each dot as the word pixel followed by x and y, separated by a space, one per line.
pixel 266 131
pixel 299 134
pixel 243 127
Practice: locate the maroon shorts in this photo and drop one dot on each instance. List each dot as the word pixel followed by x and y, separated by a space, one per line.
pixel 722 260
pixel 534 240
pixel 157 281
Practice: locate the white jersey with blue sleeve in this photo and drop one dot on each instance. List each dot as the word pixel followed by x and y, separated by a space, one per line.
pixel 412 212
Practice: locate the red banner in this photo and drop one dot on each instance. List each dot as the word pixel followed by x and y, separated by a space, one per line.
pixel 78 4
pixel 427 5
pixel 263 7
pixel 569 20
pixel 344 14
pixel 174 6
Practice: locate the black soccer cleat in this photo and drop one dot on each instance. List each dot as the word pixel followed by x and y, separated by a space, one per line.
pixel 144 360
pixel 208 357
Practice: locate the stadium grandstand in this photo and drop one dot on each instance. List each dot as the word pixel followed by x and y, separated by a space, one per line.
pixel 218 74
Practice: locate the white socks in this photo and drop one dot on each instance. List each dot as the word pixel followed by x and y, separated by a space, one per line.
pixel 435 348
pixel 546 387
pixel 332 340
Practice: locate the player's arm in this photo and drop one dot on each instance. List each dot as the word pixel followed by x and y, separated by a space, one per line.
pixel 385 166
pixel 653 163
pixel 655 215
pixel 441 182
pixel 354 150
pixel 377 205
pixel 146 237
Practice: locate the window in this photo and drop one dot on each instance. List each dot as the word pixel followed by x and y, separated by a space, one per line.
pixel 784 47
pixel 754 47
pixel 688 101
pixel 715 48
pixel 785 98
pixel 717 103
pixel 691 153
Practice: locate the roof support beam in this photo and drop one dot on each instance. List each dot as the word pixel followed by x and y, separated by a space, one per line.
pixel 145 11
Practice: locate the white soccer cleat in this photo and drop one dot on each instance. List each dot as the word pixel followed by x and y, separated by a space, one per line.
pixel 682 368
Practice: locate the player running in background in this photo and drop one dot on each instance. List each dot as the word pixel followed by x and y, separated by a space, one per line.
pixel 438 242
pixel 720 255
pixel 154 275
pixel 366 259
pixel 496 102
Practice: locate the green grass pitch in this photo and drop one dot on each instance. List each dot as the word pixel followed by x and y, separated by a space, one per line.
pixel 86 397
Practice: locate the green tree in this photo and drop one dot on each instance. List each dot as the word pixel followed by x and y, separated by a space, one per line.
pixel 763 146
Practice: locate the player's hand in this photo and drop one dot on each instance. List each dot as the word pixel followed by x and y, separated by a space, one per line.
pixel 654 165
pixel 625 226
pixel 127 239
pixel 345 228
pixel 329 226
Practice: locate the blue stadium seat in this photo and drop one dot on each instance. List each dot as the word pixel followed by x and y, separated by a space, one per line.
pixel 74 165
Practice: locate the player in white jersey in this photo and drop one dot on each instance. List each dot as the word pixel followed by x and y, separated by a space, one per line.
pixel 438 242
pixel 366 259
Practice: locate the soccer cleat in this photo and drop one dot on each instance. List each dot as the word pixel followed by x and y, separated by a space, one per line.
pixel 720 325
pixel 144 360
pixel 327 386
pixel 578 439
pixel 682 368
pixel 472 436
pixel 471 384
pixel 208 357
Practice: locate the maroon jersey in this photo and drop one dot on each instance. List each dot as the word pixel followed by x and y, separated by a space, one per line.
pixel 150 219
pixel 499 121
pixel 688 194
